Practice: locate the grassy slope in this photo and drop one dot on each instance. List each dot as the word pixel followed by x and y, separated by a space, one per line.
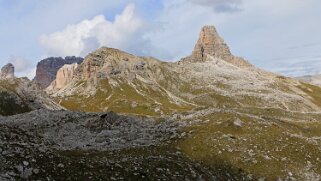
pixel 269 147
pixel 125 99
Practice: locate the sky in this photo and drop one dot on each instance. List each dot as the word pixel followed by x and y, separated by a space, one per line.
pixel 279 36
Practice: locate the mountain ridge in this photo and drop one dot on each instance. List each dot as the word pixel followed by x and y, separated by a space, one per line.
pixel 195 81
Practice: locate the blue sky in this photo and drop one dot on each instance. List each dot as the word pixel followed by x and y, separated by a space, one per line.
pixel 280 36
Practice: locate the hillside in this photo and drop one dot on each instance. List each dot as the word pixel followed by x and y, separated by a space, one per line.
pixel 19 95
pixel 208 116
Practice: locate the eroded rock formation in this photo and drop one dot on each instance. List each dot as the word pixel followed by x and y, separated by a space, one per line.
pixel 47 69
pixel 210 43
pixel 7 71
pixel 64 76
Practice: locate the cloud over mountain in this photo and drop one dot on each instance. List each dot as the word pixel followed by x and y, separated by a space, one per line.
pixel 125 32
pixel 23 66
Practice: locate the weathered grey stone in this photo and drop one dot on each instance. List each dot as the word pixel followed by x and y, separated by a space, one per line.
pixel 7 71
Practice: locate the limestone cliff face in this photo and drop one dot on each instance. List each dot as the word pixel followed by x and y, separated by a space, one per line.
pixel 47 69
pixel 7 71
pixel 64 76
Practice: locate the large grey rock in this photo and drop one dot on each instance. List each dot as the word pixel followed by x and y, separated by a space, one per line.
pixel 47 69
pixel 7 71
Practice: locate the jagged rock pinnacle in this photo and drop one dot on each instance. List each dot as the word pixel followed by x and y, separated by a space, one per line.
pixel 7 71
pixel 210 43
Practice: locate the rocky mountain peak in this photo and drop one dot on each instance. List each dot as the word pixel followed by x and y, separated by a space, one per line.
pixel 211 46
pixel 47 68
pixel 210 43
pixel 7 71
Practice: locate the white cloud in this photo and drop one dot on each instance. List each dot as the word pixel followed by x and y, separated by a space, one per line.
pixel 220 5
pixel 21 64
pixel 181 22
pixel 126 32
pixel 23 67
pixel 31 73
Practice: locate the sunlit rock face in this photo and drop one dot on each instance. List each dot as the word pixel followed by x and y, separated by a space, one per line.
pixel 47 69
pixel 210 43
pixel 64 76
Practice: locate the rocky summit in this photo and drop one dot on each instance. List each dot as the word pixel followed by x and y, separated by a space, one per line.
pixel 47 69
pixel 7 71
pixel 209 116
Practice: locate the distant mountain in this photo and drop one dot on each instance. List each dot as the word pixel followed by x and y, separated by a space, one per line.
pixel 47 69
pixel 311 79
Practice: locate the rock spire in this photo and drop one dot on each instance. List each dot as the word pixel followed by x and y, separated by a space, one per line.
pixel 7 71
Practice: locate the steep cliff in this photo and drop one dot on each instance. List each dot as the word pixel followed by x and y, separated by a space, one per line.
pixel 64 75
pixel 47 69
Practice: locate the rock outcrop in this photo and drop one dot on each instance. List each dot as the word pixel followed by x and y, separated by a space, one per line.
pixel 64 76
pixel 7 71
pixel 47 69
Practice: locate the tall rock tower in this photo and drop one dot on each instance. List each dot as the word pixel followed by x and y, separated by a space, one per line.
pixel 210 43
pixel 7 71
